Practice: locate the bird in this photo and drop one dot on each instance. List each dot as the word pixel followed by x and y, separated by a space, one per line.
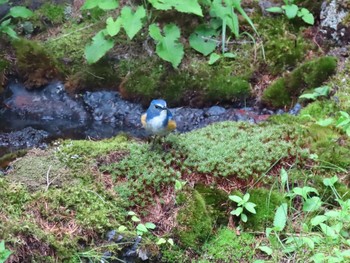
pixel 158 120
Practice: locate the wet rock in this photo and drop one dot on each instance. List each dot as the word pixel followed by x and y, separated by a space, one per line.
pixel 110 235
pixel 295 110
pixel 26 138
pixel 215 110
pixel 132 252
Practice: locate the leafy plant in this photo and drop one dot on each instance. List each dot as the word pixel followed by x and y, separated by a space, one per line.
pixel 318 92
pixel 291 10
pixel 140 227
pixel 15 12
pixel 242 204
pixel 168 45
pixel 4 253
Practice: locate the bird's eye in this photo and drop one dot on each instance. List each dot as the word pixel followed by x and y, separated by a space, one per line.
pixel 158 107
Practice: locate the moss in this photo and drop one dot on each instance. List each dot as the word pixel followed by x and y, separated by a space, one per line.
pixel 216 201
pixel 196 84
pixel 236 150
pixel 194 224
pixel 307 76
pixel 319 109
pixel 226 246
pixel 52 12
pixel 35 66
pixel 267 202
pixel 284 43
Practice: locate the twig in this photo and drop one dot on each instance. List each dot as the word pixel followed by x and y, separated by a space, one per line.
pixel 48 179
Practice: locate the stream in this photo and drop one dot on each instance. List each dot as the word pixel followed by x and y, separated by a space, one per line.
pixel 34 118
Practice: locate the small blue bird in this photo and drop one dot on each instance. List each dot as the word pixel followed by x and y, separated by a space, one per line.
pixel 158 120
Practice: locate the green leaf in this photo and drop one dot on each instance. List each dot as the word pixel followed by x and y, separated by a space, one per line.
pixel 170 241
pixel 266 249
pixel 304 191
pixel 184 6
pixel 135 219
pixel 98 48
pixel 250 207
pixel 246 197
pixel 237 211
pixel 142 228
pixel 213 58
pixel 20 11
pixel 235 198
pixel 274 9
pixel 268 231
pixel 150 225
pixel 131 213
pixel 201 40
pixel 280 219
pixel 168 47
pixel 102 4
pixel 244 218
pixel 9 31
pixel 309 96
pixel 3 2
pixel 330 181
pixel 179 184
pixel 318 219
pixel 122 228
pixel 322 91
pixel 325 122
pixel 318 258
pixel 291 10
pixel 237 5
pixel 344 114
pixel 308 18
pixel 113 27
pixel 312 204
pixel 284 177
pixel 161 241
pixel 229 55
pixel 132 21
pixel 328 231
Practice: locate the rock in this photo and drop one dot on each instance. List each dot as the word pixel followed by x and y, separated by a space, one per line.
pixel 333 25
pixel 215 110
pixel 295 110
pixel 28 137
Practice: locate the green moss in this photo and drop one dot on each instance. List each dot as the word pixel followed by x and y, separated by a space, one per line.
pixel 284 43
pixel 319 109
pixel 241 150
pixel 194 224
pixel 267 202
pixel 35 65
pixel 53 12
pixel 226 246
pixel 307 76
pixel 195 84
pixel 216 201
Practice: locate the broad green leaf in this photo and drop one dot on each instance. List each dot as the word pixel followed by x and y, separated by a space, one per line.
pixel 184 6
pixel 235 198
pixel 135 219
pixel 178 185
pixel 9 31
pixel 131 213
pixel 332 214
pixel 328 231
pixel 113 27
pixel 103 4
pixel 122 228
pixel 259 261
pixel 325 122
pixel 250 207
pixel 312 204
pixel 246 197
pixel 309 96
pixel 322 91
pixel 268 231
pixel 266 249
pixel 213 58
pixel 237 211
pixel 168 47
pixel 132 21
pixel 318 258
pixel 307 16
pixel 244 218
pixel 161 241
pixel 318 219
pixel 202 40
pixel 284 177
pixel 3 2
pixel 330 181
pixel 150 225
pixel 142 228
pixel 5 22
pixel 98 48
pixel 275 9
pixel 291 10
pixel 20 11
pixel 280 220
pixel 304 191
pixel 170 241
pixel 348 131
pixel 345 114
pixel 229 55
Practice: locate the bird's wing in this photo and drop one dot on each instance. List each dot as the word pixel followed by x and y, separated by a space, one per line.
pixel 143 119
pixel 171 125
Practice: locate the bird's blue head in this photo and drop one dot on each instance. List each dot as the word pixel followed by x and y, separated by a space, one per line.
pixel 156 107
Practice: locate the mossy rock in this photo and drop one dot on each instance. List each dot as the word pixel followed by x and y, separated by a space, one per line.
pixel 52 13
pixel 266 201
pixel 216 201
pixel 226 246
pixel 196 84
pixel 309 75
pixel 35 65
pixel 194 225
